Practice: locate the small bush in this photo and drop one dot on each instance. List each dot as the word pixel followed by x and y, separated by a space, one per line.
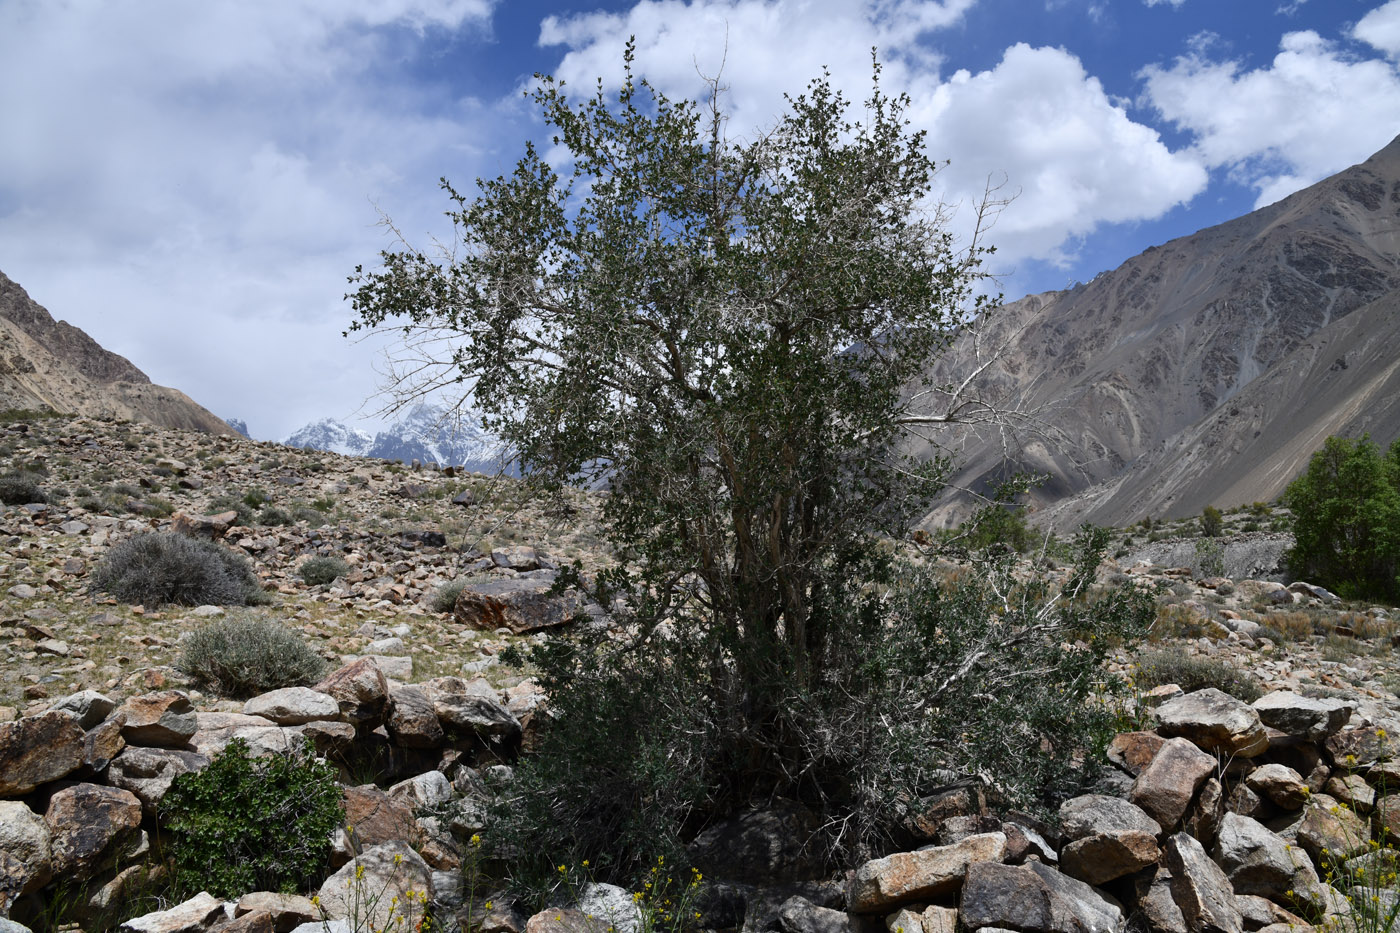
pixel 318 571
pixel 1156 668
pixel 256 498
pixel 245 515
pixel 242 657
pixel 1212 522
pixel 272 515
pixel 245 824
pixel 20 489
pixel 445 596
pixel 1210 557
pixel 165 567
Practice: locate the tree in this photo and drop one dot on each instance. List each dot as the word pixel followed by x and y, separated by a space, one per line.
pixel 1346 519
pixel 1212 522
pixel 734 337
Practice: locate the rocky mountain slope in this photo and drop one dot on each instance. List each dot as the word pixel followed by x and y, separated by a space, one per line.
pixel 52 364
pixel 1207 370
pixel 426 433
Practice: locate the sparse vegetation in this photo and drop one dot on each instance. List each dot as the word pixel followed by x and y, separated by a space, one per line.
pixel 445 596
pixel 247 655
pixel 21 489
pixel 162 567
pixel 1212 522
pixel 318 571
pixel 1156 668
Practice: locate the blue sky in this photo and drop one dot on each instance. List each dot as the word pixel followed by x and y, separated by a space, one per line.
pixel 192 182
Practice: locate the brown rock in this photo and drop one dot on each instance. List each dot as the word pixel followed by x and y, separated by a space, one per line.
pixel 1214 720
pixel 413 721
pixel 26 862
pixel 519 605
pixel 394 875
pixel 104 742
pixel 1360 748
pixel 373 818
pixel 1331 832
pixel 203 526
pixel 159 720
pixel 1133 751
pixel 1352 790
pixel 1280 783
pixel 1102 857
pixel 88 824
pixel 257 921
pixel 1203 816
pixel 1388 817
pixel 913 876
pixel 286 911
pixel 1200 888
pixel 196 915
pixel 361 691
pixel 1166 786
pixel 564 920
pixel 38 749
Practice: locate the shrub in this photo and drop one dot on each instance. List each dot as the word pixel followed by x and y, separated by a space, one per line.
pixel 162 567
pixel 272 515
pixel 318 571
pixel 445 596
pixel 20 489
pixel 227 503
pixel 242 657
pixel 245 824
pixel 1156 668
pixel 1210 557
pixel 1212 522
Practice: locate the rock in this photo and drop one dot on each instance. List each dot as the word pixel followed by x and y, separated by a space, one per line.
pixel 1352 790
pixel 522 606
pixel 285 911
pixel 799 915
pixel 413 719
pixel 1307 718
pixel 1024 842
pixel 1387 816
pixel 430 789
pixel 1360 748
pixel 257 921
pixel 89 707
pixel 88 824
pixel 1212 719
pixel 38 749
pixel 476 715
pixel 203 526
pixel 293 706
pixel 361 691
pixel 1093 814
pixel 1155 904
pixel 913 876
pixel 216 730
pixel 1166 786
pixel 765 846
pixel 328 738
pixel 1203 816
pixel 612 905
pixel 564 920
pixel 196 915
pixel 1200 888
pixel 386 886
pixel 1258 861
pixel 23 591
pixel 1102 857
pixel 1260 912
pixel 1033 898
pixel 26 858
pixel 1132 751
pixel 1279 783
pixel 1329 827
pixel 520 558
pixel 148 772
pixel 159 720
pixel 374 818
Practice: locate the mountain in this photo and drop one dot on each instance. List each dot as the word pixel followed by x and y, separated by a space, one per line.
pixel 424 432
pixel 52 364
pixel 239 425
pixel 1204 371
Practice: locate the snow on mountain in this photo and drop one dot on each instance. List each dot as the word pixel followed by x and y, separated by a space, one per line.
pixel 424 432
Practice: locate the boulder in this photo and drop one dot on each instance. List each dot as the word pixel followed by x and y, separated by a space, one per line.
pixel 1200 888
pixel 1102 857
pixel 203 526
pixel 285 911
pixel 196 915
pixel 521 605
pixel 373 818
pixel 38 749
pixel 413 720
pixel 293 706
pixel 475 715
pixel 159 720
pixel 1352 790
pixel 1155 904
pixel 26 859
pixel 88 707
pixel 149 772
pixel 103 742
pixel 760 846
pixel 360 690
pixel 1132 751
pixel 611 904
pixel 919 876
pixel 88 824
pixel 1033 898
pixel 564 920
pixel 1203 816
pixel 1330 832
pixel 1214 720
pixel 1387 817
pixel 1280 784
pixel 520 558
pixel 430 789
pixel 1258 861
pixel 386 887
pixel 262 737
pixel 256 921
pixel 1093 814
pixel 799 915
pixel 1166 786
pixel 1304 717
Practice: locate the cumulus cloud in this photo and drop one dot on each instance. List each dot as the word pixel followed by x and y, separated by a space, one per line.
pixel 1036 121
pixel 1248 121
pixel 1380 28
pixel 191 183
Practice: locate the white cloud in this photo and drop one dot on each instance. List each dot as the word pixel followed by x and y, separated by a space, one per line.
pixel 1036 119
pixel 1175 4
pixel 191 182
pixel 1380 28
pixel 1311 112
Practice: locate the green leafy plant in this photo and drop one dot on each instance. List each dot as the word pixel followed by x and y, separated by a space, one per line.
pixel 1210 557
pixel 244 656
pixel 252 824
pixel 1212 522
pixel 20 489
pixel 318 571
pixel 1346 519
pixel 159 567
